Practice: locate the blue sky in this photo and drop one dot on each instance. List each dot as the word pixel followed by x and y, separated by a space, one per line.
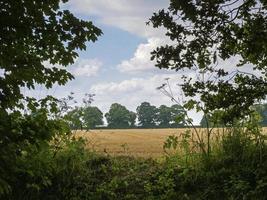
pixel 117 67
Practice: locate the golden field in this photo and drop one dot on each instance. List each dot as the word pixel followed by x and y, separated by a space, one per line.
pixel 134 142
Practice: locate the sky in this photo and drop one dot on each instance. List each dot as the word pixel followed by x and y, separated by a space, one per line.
pixel 117 68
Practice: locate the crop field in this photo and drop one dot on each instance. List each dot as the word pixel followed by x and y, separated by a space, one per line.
pixel 134 142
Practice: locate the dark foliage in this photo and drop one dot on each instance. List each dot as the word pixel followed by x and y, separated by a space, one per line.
pixel 206 32
pixel 236 171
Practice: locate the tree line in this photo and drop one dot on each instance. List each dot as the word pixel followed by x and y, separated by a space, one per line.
pixel 118 116
pixel 217 118
pixel 146 116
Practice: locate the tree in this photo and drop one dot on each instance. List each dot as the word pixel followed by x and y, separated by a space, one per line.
pixel 164 116
pixel 132 118
pixel 147 115
pixel 34 34
pixel 92 117
pixel 75 118
pixel 261 109
pixel 213 120
pixel 207 32
pixel 177 116
pixel 119 117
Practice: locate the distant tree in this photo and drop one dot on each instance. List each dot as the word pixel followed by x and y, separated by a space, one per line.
pixel 262 110
pixel 147 115
pixel 132 118
pixel 75 118
pixel 214 119
pixel 203 122
pixel 119 117
pixel 177 116
pixel 92 117
pixel 82 116
pixel 164 116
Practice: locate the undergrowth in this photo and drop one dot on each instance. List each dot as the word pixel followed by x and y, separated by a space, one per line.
pixel 235 169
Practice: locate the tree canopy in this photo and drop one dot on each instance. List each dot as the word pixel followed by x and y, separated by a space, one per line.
pixel 147 114
pixel 164 116
pixel 213 120
pixel 261 109
pixel 205 33
pixel 75 118
pixel 84 118
pixel 177 116
pixel 35 34
pixel 92 117
pixel 119 116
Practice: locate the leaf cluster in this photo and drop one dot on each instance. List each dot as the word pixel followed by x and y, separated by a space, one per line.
pixel 205 33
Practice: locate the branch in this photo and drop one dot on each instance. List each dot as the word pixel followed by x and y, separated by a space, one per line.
pixel 229 4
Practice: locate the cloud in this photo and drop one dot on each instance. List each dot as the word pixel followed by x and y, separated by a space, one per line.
pixel 117 88
pixel 141 59
pixel 127 15
pixel 131 93
pixel 86 67
pixel 141 62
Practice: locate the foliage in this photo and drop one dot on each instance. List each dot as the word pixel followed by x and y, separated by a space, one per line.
pixel 23 136
pixel 262 110
pixel 119 117
pixel 177 116
pixel 147 114
pixel 87 116
pixel 236 170
pixel 83 116
pixel 216 117
pixel 75 118
pixel 164 116
pixel 33 35
pixel 213 120
pixel 170 143
pixel 38 40
pixel 205 33
pixel 92 117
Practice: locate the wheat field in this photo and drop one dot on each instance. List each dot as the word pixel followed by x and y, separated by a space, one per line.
pixel 135 142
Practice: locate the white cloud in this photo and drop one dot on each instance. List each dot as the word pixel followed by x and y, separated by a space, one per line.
pixel 86 67
pixel 134 91
pixel 127 15
pixel 141 62
pixel 141 59
pixel 48 65
pixel 113 88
